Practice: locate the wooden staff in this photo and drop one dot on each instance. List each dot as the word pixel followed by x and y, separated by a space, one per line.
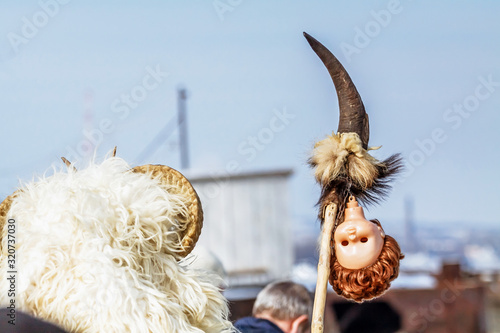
pixel 325 252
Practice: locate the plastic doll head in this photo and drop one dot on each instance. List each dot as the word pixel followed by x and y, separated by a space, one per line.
pixel 368 282
pixel 358 242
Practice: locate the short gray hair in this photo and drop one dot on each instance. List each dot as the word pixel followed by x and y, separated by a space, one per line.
pixel 284 300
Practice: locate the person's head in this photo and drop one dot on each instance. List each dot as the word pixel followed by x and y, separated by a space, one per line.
pixel 285 303
pixel 371 281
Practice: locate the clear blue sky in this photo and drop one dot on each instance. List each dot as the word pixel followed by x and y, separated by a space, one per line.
pixel 428 72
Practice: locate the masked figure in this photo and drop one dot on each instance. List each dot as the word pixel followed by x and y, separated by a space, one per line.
pixel 102 250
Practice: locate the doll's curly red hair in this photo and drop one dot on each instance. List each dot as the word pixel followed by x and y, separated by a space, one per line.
pixel 369 282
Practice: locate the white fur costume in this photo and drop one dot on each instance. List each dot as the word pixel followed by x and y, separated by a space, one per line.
pixel 96 251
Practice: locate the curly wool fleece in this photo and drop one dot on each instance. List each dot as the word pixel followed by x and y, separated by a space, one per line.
pixel 96 252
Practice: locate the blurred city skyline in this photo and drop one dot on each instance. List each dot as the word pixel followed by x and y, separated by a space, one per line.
pixel 81 74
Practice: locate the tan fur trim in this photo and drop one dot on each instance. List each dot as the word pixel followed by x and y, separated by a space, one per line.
pixel 343 155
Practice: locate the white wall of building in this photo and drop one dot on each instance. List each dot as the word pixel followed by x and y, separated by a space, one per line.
pixel 247 224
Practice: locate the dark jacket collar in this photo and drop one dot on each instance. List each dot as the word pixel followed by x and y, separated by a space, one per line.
pixel 256 325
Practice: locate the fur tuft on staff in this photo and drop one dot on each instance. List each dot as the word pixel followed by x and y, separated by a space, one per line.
pixel 341 163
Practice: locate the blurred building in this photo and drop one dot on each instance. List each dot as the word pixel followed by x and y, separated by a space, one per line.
pixel 247 225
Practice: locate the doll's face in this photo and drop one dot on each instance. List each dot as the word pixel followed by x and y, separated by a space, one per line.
pixel 358 243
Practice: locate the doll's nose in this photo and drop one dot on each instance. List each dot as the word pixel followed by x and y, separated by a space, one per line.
pixel 352 233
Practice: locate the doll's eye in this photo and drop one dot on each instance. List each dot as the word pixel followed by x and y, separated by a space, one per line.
pixel 345 243
pixel 364 239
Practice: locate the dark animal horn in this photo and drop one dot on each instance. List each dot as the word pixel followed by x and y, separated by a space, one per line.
pixel 353 117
